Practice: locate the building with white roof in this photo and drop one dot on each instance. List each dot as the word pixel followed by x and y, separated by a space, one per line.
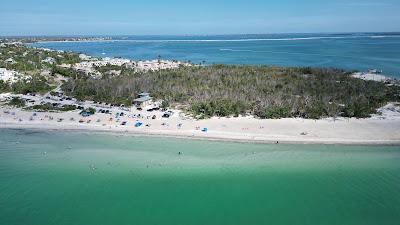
pixel 8 75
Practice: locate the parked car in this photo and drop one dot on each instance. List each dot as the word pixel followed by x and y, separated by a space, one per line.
pixel 85 114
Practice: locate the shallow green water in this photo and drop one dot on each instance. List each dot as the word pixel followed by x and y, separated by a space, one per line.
pixel 76 178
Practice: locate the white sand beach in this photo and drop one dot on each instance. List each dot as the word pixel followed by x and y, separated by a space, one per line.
pixel 382 129
pixel 371 76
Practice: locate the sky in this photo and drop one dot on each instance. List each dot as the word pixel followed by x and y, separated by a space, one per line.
pixel 200 17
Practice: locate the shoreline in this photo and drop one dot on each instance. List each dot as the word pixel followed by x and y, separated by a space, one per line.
pixel 224 137
pixel 300 37
pixel 378 130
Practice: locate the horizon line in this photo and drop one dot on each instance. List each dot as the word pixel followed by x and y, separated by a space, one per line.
pixel 188 35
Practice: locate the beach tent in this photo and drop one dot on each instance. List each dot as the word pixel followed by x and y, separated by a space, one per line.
pixel 204 130
pixel 138 124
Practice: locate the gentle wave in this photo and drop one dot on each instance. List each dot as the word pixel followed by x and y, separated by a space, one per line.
pixel 280 52
pixel 311 54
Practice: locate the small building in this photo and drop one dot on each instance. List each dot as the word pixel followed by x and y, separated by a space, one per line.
pixel 9 60
pixel 45 73
pixel 143 100
pixel 8 75
pixel 375 71
pixel 49 60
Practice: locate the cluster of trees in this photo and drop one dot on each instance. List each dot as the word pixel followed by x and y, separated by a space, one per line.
pixel 219 107
pixel 36 84
pixel 267 92
pixel 67 72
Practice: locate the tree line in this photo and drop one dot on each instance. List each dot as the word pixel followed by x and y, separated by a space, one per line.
pixel 263 91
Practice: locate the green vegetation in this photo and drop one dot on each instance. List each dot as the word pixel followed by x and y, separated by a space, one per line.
pixel 31 61
pixel 165 104
pixel 67 72
pixel 266 92
pixel 219 107
pixel 107 68
pixel 68 108
pixel 48 107
pixel 206 91
pixel 4 87
pixel 274 112
pixel 89 110
pixel 38 84
pixel 17 102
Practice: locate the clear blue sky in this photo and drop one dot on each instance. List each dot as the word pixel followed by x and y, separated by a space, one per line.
pixel 113 17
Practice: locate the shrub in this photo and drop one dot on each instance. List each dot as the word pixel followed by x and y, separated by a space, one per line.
pixel 277 113
pixel 48 107
pixel 4 87
pixel 165 104
pixel 17 102
pixel 90 110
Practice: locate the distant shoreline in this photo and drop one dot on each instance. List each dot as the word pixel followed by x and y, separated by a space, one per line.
pixel 372 36
pixel 363 65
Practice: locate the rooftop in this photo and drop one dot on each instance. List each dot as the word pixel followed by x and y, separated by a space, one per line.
pixel 143 99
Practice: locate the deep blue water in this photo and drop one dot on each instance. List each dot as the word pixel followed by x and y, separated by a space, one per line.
pixel 345 51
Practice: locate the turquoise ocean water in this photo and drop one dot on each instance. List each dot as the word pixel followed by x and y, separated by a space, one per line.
pixel 49 177
pixel 359 51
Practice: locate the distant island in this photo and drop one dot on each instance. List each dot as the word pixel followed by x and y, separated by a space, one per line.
pixel 33 39
pixel 44 80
